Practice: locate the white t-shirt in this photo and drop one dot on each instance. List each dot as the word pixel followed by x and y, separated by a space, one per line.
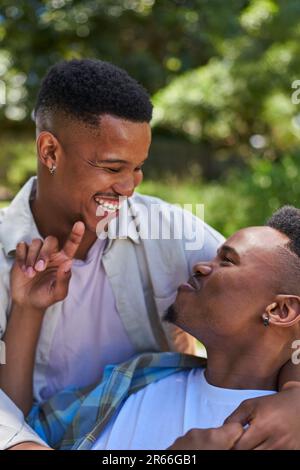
pixel 155 416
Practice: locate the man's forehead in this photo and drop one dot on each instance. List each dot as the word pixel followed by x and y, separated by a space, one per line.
pixel 109 131
pixel 256 239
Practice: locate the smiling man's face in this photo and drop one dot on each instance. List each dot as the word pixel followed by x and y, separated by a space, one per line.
pixel 97 166
pixel 227 296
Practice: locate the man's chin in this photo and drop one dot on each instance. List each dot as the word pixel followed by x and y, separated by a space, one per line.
pixel 171 314
pixel 90 225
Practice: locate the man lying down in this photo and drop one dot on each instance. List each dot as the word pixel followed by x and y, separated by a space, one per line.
pixel 244 306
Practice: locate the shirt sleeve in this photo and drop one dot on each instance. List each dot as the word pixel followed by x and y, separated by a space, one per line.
pixel 13 428
pixel 4 293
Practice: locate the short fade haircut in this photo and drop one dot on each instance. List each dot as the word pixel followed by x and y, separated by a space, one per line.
pixel 86 89
pixel 287 221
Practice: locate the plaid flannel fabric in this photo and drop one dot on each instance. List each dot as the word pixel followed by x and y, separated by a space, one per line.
pixel 74 418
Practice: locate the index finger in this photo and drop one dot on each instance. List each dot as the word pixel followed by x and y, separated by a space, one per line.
pixel 74 239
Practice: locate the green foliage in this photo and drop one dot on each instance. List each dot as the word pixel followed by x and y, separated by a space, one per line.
pixel 244 90
pixel 221 76
pixel 247 197
pixel 18 162
pixel 270 185
pixel 221 72
pixel 154 40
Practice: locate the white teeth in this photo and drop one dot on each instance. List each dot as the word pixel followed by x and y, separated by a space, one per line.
pixel 107 205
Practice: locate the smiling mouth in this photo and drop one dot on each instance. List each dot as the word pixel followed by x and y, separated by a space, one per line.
pixel 108 205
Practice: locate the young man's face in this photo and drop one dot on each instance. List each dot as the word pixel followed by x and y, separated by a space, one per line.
pixel 96 166
pixel 227 296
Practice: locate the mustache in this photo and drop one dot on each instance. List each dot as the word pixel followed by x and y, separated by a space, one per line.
pixel 110 195
pixel 114 196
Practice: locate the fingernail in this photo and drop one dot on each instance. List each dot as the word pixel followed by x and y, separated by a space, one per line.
pixel 23 268
pixel 40 265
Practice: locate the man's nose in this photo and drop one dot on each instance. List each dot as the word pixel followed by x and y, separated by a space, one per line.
pixel 125 186
pixel 202 269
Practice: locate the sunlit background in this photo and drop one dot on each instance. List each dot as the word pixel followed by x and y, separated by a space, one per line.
pixel 225 128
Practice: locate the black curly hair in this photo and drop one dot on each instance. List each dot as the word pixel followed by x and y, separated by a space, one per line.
pixel 86 89
pixel 287 220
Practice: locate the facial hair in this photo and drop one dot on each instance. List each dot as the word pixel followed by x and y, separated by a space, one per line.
pixel 170 315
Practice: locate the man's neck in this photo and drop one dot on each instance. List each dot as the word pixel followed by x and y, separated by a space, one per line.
pixel 50 220
pixel 251 370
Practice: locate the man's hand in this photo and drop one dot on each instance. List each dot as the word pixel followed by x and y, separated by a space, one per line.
pixel 41 272
pixel 274 421
pixel 222 438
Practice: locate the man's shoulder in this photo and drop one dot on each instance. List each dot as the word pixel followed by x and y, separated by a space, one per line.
pixel 145 199
pixel 176 381
pixel 148 201
pixel 3 212
pixel 177 215
pixel 3 258
pixel 185 375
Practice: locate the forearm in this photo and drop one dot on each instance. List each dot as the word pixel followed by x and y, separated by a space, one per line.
pixel 16 376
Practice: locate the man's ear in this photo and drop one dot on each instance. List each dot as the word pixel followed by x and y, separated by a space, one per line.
pixel 285 311
pixel 48 149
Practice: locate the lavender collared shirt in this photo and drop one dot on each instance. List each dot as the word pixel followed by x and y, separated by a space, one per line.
pixel 79 355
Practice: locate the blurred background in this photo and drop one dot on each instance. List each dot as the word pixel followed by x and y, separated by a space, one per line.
pixel 222 75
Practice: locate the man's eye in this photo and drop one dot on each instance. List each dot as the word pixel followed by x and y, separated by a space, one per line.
pixel 226 260
pixel 112 170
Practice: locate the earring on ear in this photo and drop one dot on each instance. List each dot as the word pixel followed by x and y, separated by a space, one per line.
pixel 266 319
pixel 52 169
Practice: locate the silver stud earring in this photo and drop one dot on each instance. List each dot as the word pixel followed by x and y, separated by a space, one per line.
pixel 266 319
pixel 52 169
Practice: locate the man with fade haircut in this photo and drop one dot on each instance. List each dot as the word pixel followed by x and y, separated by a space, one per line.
pixel 83 301
pixel 244 305
pixel 93 136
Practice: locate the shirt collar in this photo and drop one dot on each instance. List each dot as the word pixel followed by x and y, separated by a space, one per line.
pixel 18 223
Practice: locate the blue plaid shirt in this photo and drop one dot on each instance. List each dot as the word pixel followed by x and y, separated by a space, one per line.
pixel 74 418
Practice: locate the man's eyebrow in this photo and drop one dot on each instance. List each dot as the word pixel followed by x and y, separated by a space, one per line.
pixel 228 249
pixel 115 160
pixel 111 160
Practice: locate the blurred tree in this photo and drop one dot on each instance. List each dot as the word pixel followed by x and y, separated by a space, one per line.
pixel 220 72
pixel 153 40
pixel 235 60
pixel 240 101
